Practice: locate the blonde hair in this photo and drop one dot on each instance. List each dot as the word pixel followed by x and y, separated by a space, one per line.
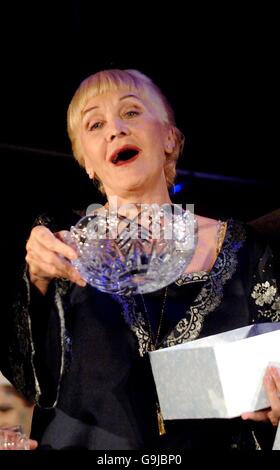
pixel 131 80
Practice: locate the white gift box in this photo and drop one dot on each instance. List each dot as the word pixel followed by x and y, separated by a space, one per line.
pixel 220 376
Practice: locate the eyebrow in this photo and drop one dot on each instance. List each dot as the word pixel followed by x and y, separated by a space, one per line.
pixel 130 96
pixel 121 99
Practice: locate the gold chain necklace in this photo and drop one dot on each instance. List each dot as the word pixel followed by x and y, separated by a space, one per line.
pixel 153 346
pixel 153 343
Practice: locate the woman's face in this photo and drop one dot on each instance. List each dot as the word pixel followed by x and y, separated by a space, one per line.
pixel 124 142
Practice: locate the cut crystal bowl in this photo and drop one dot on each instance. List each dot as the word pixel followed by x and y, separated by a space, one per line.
pixel 134 249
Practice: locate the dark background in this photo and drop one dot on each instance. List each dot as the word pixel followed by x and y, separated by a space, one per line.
pixel 218 67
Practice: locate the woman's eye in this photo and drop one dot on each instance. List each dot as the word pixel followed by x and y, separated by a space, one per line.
pixel 131 113
pixel 95 125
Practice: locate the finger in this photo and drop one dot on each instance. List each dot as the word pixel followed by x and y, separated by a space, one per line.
pixel 43 237
pixel 38 254
pixel 272 382
pixel 48 265
pixel 272 387
pixel 275 372
pixel 45 272
pixel 65 237
pixel 256 415
pixel 62 234
pixel 273 417
pixel 32 444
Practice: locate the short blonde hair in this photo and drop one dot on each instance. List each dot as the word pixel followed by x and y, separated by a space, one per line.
pixel 131 80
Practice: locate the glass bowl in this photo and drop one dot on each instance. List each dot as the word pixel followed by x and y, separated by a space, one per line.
pixel 134 249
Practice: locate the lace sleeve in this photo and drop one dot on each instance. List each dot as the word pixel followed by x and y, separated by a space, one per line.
pixel 38 344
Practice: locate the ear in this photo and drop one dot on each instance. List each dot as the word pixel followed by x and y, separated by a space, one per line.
pixel 169 141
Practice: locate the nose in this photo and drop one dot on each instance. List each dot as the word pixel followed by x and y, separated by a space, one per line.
pixel 116 128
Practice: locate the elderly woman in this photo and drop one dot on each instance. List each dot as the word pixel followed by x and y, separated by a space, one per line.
pixel 82 353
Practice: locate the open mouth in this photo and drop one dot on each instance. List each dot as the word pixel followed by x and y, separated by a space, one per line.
pixel 125 155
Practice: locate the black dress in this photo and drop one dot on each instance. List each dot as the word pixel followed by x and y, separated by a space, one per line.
pixel 82 354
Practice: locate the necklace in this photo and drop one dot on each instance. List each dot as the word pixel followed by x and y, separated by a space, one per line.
pixel 154 342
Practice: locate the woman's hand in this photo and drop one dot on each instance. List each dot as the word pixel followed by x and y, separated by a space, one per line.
pixel 272 387
pixel 32 444
pixel 48 256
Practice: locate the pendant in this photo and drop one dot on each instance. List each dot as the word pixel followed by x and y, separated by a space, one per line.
pixel 161 427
